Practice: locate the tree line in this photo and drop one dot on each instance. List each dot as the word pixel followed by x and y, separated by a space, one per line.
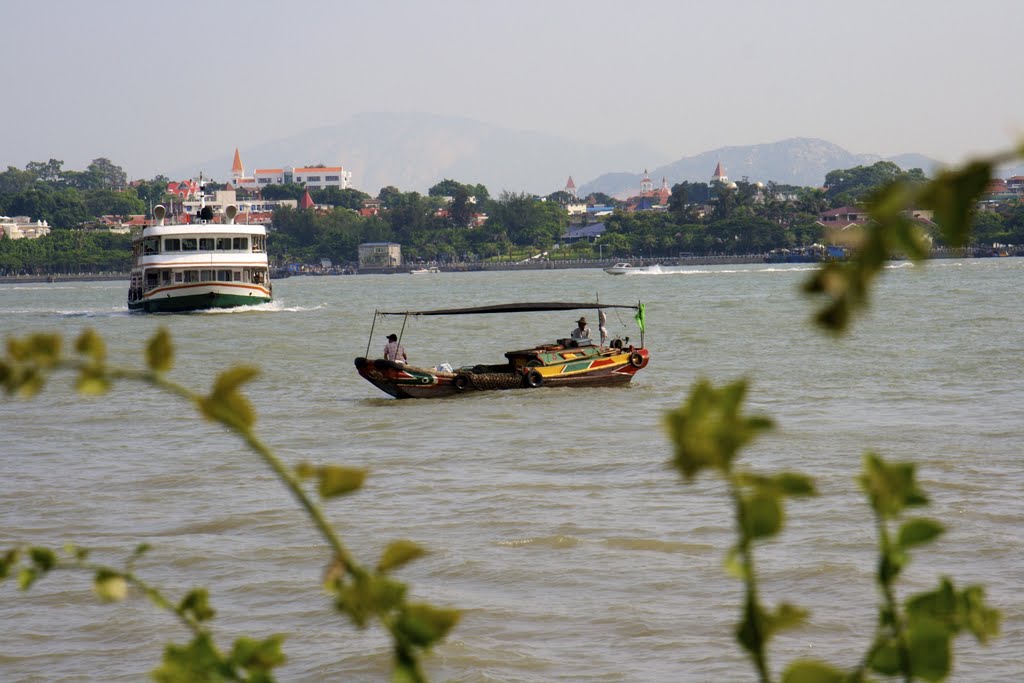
pixel 457 221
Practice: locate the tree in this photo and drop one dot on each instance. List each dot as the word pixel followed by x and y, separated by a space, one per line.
pixel 852 185
pixel 286 191
pixel 560 197
pixel 102 174
pixel 460 211
pixel 334 196
pixel 48 172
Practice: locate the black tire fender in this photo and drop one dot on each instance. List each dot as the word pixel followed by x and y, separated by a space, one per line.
pixel 636 360
pixel 533 379
pixel 461 382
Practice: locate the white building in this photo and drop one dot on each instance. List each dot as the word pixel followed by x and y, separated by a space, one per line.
pixel 21 227
pixel 312 177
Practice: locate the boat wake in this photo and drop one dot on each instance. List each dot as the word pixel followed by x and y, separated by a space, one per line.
pixel 712 270
pixel 275 306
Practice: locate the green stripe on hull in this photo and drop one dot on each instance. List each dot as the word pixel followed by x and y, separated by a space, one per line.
pixel 196 302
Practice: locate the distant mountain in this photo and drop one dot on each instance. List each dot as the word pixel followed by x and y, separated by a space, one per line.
pixel 796 161
pixel 416 151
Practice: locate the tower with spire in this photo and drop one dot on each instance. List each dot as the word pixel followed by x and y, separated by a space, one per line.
pixel 570 188
pixel 646 185
pixel 719 176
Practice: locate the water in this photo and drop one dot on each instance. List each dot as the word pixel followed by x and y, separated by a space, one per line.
pixel 552 518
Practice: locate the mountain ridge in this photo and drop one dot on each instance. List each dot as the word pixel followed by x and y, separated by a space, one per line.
pixel 414 151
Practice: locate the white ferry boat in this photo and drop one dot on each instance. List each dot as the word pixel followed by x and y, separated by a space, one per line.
pixel 199 264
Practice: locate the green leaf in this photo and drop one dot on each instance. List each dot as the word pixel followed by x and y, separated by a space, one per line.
pixel 231 379
pixel 981 620
pixel 197 662
pixel 762 515
pixel 890 487
pixel 787 616
pixel 885 659
pixel 45 349
pixel 43 558
pixel 423 625
pixel 197 603
pixel 92 345
pixel 953 195
pixel 709 430
pixel 397 554
pixel 160 352
pixel 930 654
pixel 811 671
pixel 110 586
pixel 92 382
pixel 26 577
pixel 258 655
pixel 793 484
pixel 919 531
pixel 334 480
pixel 231 409
pixel 8 560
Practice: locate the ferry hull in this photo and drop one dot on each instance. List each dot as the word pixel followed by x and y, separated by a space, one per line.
pixel 199 299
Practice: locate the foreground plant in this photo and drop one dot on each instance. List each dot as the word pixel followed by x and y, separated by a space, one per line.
pixel 913 640
pixel 363 595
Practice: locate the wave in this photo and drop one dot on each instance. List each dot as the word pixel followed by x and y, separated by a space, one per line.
pixel 713 270
pixel 275 306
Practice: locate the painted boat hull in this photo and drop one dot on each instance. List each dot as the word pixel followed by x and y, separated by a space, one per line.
pixel 200 297
pixel 525 370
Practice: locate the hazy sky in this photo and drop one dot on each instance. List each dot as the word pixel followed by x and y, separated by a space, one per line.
pixel 157 86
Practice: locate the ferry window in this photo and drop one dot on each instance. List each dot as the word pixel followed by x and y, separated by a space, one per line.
pixel 206 275
pixel 188 244
pixel 191 276
pixel 150 245
pixel 165 277
pixel 223 243
pixel 238 276
pixel 172 244
pixel 205 244
pixel 259 243
pixel 224 275
pixel 177 277
pixel 151 278
pixel 242 243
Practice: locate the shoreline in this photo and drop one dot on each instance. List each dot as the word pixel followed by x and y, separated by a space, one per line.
pixel 463 267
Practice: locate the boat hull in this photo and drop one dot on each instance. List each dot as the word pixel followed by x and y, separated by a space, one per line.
pixel 606 367
pixel 181 299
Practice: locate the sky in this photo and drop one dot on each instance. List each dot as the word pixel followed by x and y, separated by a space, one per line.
pixel 157 86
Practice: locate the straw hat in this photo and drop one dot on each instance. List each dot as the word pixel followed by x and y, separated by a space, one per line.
pixel 582 320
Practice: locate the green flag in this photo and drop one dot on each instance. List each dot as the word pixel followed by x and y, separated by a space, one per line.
pixel 640 317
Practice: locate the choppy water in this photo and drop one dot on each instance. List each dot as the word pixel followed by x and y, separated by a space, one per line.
pixel 553 520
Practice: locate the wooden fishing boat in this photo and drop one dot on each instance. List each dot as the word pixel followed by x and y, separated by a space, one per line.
pixel 564 362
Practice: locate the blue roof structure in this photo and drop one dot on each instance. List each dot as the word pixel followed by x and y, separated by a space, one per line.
pixel 591 231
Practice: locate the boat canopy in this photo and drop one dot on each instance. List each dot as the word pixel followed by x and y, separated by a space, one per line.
pixel 512 308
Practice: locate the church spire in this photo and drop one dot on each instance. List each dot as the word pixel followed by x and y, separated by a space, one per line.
pixel 237 170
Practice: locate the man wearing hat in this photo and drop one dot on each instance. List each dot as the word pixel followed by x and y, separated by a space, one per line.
pixel 581 331
pixel 395 351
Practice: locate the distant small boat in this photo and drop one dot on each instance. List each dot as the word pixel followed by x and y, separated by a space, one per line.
pixel 619 269
pixel 421 271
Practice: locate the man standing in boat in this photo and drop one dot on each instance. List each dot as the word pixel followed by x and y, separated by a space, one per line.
pixel 395 351
pixel 581 331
